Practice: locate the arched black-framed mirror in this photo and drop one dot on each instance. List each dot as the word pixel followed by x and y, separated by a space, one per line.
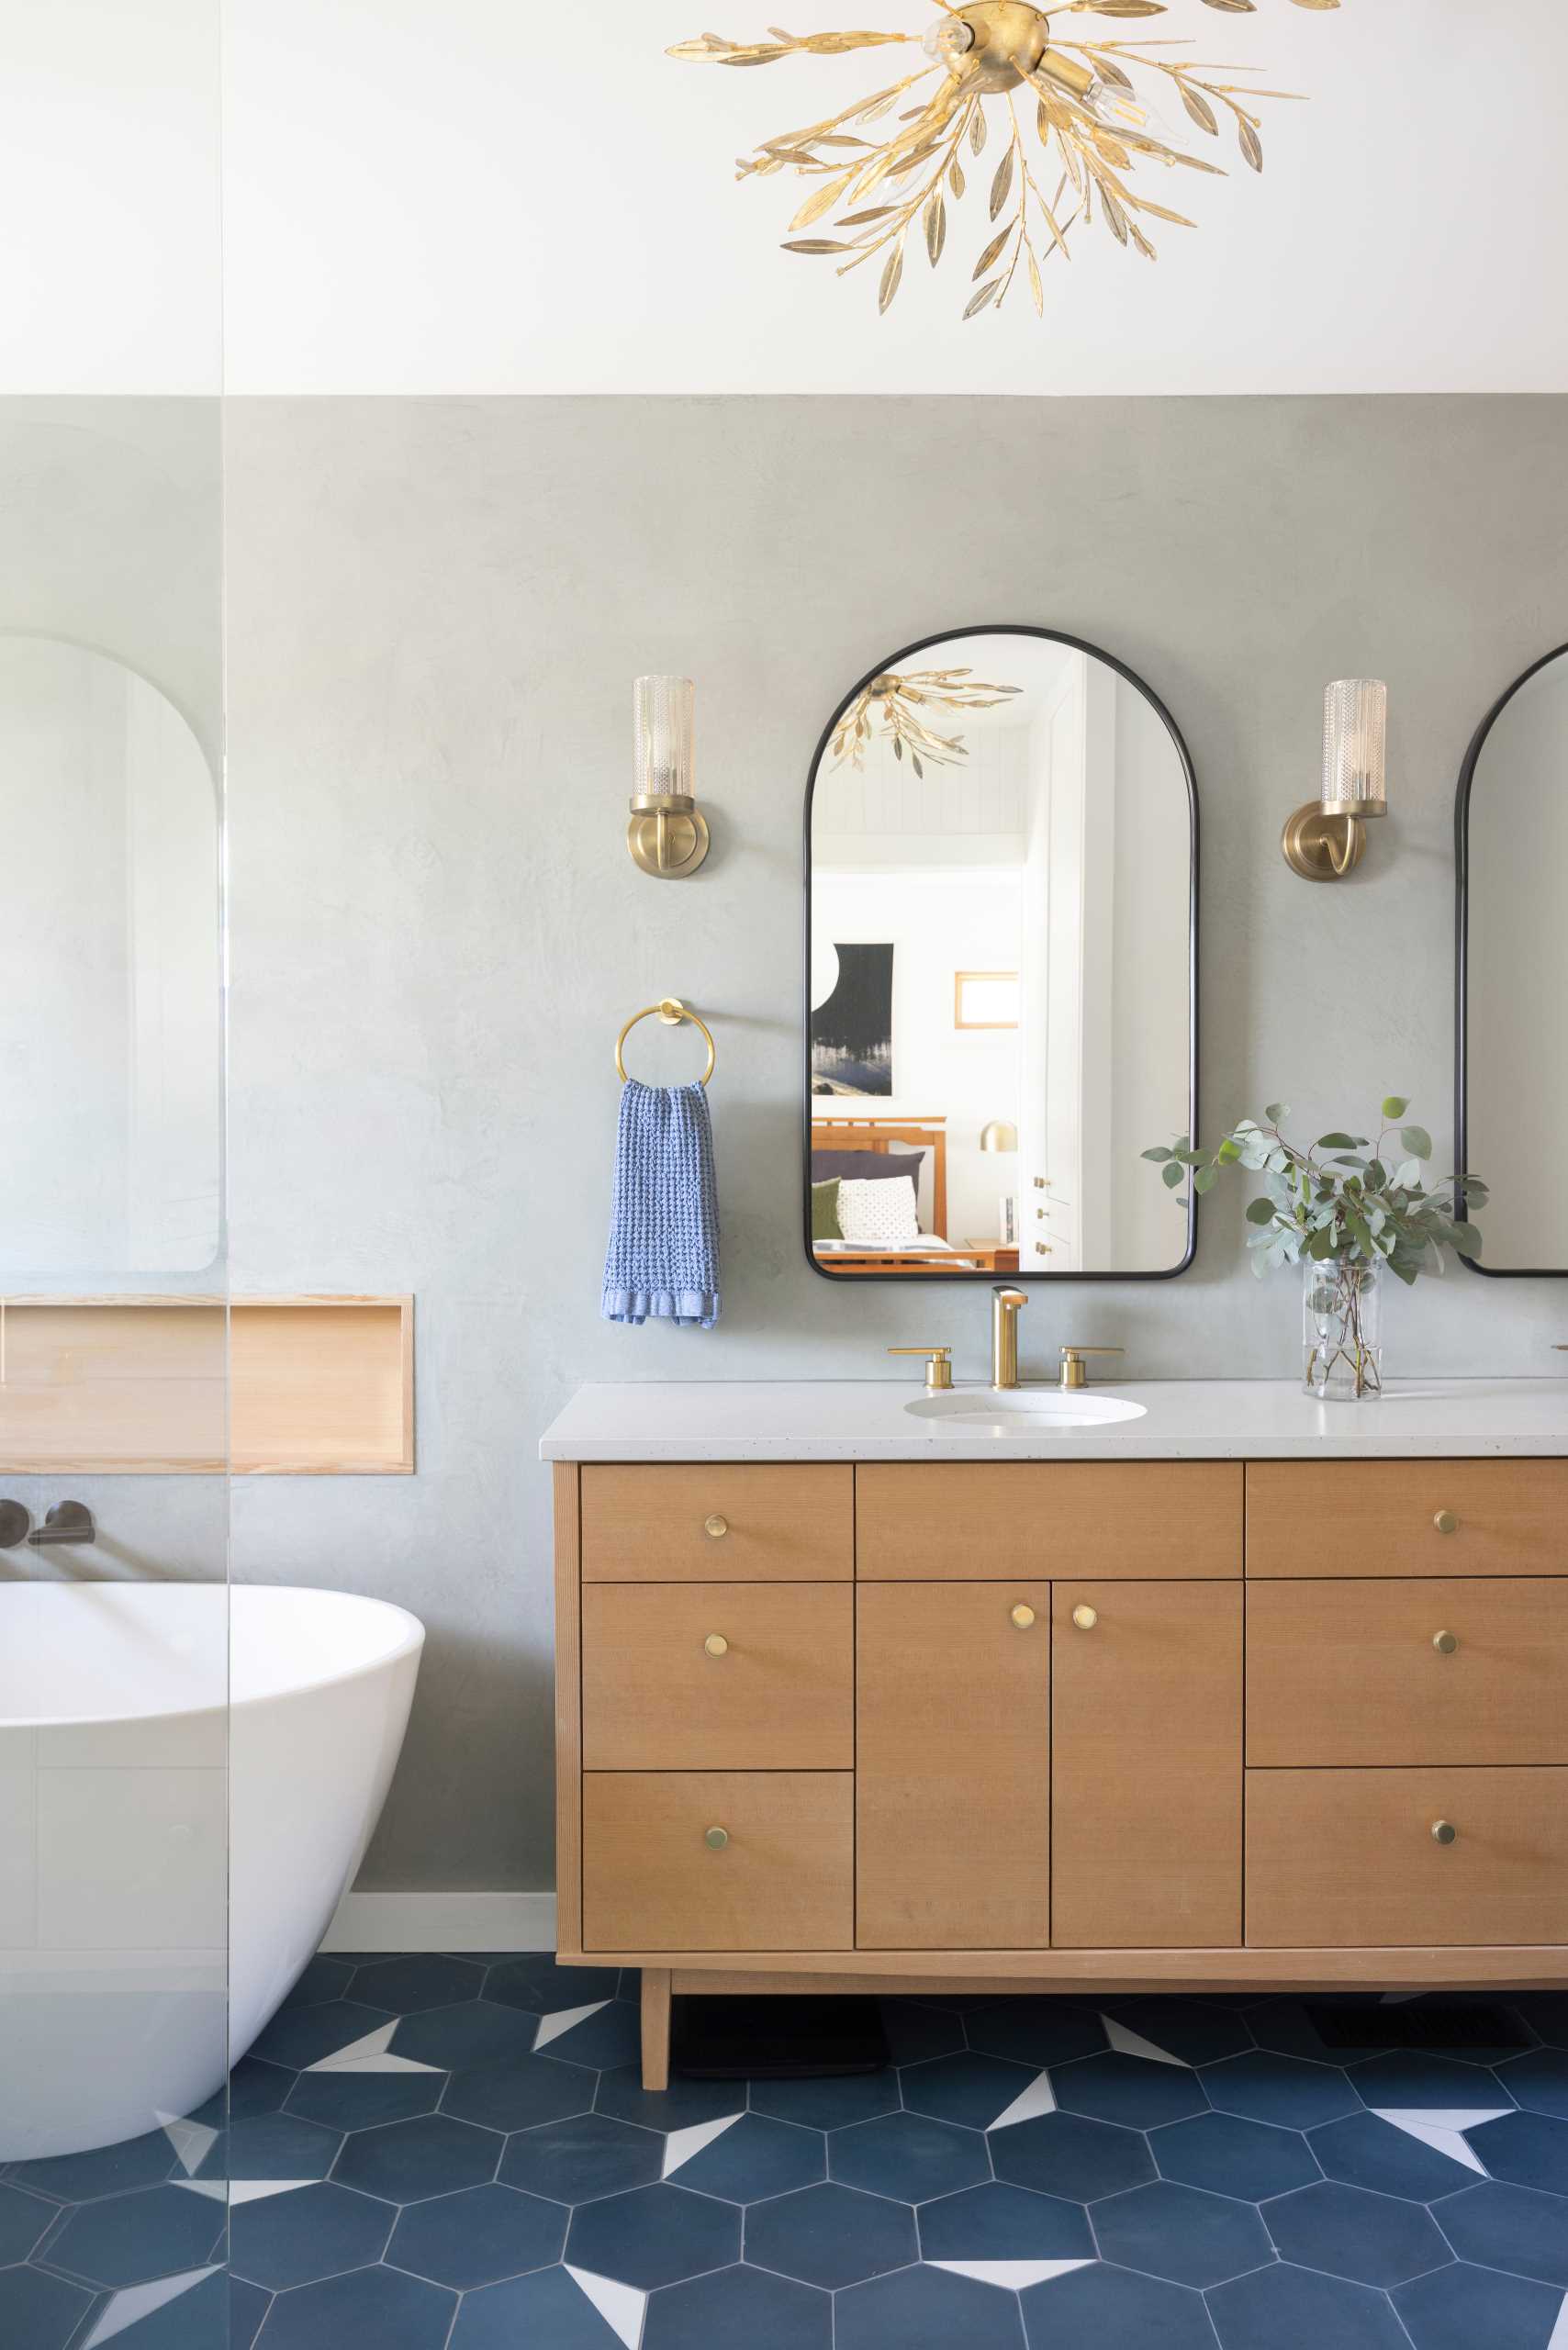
pixel 1001 895
pixel 1511 972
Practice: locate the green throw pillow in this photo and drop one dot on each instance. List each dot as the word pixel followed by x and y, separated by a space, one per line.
pixel 826 1225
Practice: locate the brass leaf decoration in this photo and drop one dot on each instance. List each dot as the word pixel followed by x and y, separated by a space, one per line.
pixel 891 705
pixel 883 167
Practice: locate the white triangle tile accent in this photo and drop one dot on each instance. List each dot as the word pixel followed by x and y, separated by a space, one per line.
pixel 621 2306
pixel 235 2191
pixel 371 2054
pixel 1133 2043
pixel 681 2144
pixel 192 2141
pixel 1029 2104
pixel 1560 2331
pixel 140 2301
pixel 551 2027
pixel 1014 2275
pixel 1441 2127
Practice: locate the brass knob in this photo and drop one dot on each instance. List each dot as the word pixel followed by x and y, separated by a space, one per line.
pixel 1443 1831
pixel 1023 1616
pixel 1085 1618
pixel 716 1644
pixel 1445 1643
pixel 1446 1522
pixel 716 1525
pixel 717 1838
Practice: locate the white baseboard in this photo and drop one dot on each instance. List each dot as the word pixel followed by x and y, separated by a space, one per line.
pixel 443 1921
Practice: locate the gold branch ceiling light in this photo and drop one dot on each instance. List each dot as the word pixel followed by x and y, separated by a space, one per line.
pixel 891 704
pixel 1094 104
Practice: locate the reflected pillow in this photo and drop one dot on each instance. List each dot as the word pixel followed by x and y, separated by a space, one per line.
pixel 867 1166
pixel 877 1214
pixel 826 1225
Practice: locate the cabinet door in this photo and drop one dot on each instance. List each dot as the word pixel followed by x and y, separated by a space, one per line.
pixel 1146 1765
pixel 953 1763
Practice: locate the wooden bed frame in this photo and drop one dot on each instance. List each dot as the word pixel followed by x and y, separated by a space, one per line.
pixel 857 1132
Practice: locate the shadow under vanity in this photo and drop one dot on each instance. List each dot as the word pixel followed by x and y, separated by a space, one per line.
pixel 1296 1718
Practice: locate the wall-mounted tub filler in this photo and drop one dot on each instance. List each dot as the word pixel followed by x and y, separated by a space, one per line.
pixel 66 1522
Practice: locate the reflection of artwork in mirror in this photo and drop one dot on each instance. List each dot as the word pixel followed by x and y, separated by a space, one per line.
pixel 985 999
pixel 1026 1023
pixel 1511 1111
pixel 111 1030
pixel 852 1026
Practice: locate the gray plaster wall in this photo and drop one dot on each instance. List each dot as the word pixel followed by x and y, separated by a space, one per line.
pixel 436 608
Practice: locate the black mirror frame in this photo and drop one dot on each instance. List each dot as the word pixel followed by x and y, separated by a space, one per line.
pixel 1097 652
pixel 1461 963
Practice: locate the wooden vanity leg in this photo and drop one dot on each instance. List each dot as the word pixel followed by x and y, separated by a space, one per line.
pixel 656 2026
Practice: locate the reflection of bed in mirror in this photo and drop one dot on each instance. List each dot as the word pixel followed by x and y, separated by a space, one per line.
pixel 837 1141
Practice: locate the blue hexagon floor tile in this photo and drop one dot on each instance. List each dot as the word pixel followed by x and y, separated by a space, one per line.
pixel 738 2309
pixel 1105 2308
pixel 481 2236
pixel 830 2235
pixel 1463 2308
pixel 927 2309
pixel 1147 2174
pixel 1229 2155
pixel 1180 2233
pixel 1348 2231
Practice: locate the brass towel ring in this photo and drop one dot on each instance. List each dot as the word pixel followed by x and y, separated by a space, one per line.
pixel 672 1012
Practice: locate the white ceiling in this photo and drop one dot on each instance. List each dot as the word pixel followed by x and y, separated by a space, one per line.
pixel 506 195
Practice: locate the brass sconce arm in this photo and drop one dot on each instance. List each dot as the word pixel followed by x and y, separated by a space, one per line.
pixel 1323 845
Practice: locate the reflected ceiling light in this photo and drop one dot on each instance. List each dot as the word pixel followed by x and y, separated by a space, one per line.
pixel 1326 839
pixel 1093 110
pixel 891 705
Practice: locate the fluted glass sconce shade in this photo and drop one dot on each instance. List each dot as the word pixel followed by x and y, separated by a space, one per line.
pixel 663 711
pixel 1325 838
pixel 1355 732
pixel 667 835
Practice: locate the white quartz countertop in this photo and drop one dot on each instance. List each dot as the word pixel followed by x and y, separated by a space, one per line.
pixel 1183 1419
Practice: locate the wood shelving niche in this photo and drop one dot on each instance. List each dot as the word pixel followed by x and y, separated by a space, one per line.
pixel 187 1386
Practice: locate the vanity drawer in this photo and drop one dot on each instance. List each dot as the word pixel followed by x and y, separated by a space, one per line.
pixel 1381 1517
pixel 782 1880
pixel 777 1695
pixel 746 1522
pixel 1350 1673
pixel 950 1521
pixel 1347 1859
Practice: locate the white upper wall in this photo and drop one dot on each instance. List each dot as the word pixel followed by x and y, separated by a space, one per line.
pixel 503 196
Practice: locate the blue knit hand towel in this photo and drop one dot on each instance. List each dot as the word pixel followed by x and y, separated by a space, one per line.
pixel 663 1258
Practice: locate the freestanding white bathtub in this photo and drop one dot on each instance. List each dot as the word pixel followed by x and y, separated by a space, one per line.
pixel 189 1775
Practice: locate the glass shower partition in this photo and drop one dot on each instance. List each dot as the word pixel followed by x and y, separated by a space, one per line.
pixel 114 1495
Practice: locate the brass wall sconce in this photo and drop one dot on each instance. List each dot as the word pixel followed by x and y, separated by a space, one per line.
pixel 1325 838
pixel 669 833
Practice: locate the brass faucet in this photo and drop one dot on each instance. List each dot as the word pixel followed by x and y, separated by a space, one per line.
pixel 1073 1373
pixel 1005 1307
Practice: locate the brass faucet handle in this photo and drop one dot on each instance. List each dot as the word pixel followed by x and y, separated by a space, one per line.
pixel 1073 1373
pixel 938 1366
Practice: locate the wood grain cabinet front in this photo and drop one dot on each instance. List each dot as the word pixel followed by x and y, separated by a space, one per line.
pixel 718 1860
pixel 1406 1517
pixel 953 1766
pixel 1406 1671
pixel 742 1521
pixel 963 1522
pixel 714 1676
pixel 1338 1860
pixel 1146 1765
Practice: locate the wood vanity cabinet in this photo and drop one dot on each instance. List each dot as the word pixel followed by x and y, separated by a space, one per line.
pixel 1103 1726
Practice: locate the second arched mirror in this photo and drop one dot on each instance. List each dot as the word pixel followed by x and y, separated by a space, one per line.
pixel 1002 891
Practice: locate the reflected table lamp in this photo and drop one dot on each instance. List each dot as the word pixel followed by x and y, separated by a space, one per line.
pixel 999 1134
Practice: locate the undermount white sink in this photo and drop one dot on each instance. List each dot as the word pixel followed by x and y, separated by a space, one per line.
pixel 1023 1411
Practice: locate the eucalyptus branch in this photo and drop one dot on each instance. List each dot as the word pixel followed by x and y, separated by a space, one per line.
pixel 1375 1210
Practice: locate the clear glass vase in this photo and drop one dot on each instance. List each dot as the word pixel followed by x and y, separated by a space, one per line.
pixel 1341 1341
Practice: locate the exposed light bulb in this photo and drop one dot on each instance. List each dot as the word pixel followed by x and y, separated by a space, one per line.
pixel 947 39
